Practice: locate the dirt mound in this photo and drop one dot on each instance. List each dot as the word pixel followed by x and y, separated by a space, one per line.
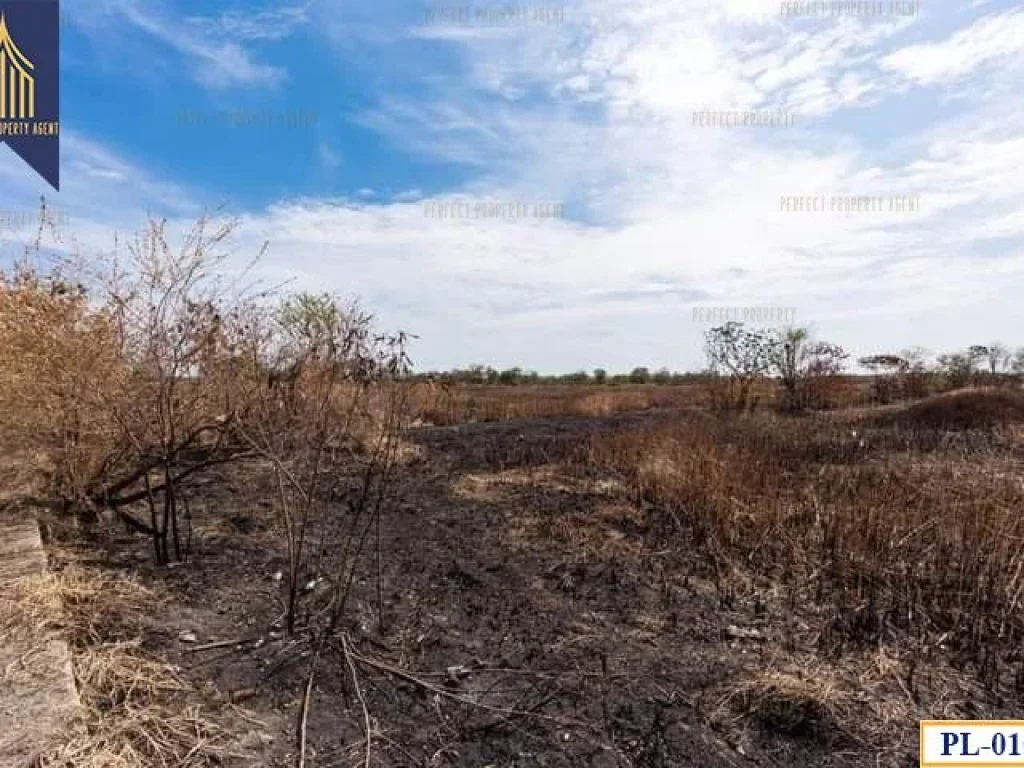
pixel 961 410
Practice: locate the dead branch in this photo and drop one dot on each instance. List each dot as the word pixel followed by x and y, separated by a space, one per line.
pixel 307 695
pixel 418 681
pixel 362 701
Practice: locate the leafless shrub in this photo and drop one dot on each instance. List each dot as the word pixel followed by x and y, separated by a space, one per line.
pixel 333 387
pixel 151 367
pixel 129 379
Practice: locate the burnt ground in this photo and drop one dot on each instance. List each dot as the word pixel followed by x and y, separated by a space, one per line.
pixel 515 583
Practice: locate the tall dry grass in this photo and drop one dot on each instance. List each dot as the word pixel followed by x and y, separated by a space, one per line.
pixel 920 543
pixel 462 403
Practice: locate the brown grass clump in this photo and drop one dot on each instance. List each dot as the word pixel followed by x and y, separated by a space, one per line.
pixel 869 701
pixel 87 606
pixel 801 703
pixel 137 711
pixel 982 408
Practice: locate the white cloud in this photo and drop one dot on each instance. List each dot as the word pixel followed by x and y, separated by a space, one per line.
pixel 216 60
pixel 664 215
pixel 269 24
pixel 993 40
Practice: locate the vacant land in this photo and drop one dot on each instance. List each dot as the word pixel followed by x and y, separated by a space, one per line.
pixel 656 587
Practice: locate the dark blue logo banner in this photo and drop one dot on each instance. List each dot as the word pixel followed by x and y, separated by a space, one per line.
pixel 30 83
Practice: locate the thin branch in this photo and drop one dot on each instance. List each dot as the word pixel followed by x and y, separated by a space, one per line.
pixel 409 677
pixel 307 695
pixel 362 701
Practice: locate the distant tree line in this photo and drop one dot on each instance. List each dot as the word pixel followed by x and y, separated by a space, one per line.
pixel 808 373
pixel 480 374
pixel 911 373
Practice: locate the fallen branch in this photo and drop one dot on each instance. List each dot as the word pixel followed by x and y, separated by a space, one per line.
pixel 221 644
pixel 411 678
pixel 307 695
pixel 359 695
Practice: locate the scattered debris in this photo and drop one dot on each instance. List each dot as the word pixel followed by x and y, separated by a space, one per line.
pixel 740 633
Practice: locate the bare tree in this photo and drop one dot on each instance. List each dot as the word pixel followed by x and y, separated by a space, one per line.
pixel 177 331
pixel 886 369
pixel 976 354
pixel 803 365
pixel 958 368
pixel 128 374
pixel 915 375
pixel 997 357
pixel 905 375
pixel 741 356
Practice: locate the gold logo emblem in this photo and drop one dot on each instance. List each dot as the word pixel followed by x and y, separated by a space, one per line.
pixel 17 84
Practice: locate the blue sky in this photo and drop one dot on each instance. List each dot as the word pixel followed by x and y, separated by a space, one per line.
pixel 361 114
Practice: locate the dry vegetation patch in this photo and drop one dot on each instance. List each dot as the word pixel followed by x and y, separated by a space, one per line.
pixel 981 408
pixel 137 712
pixel 464 403
pixel 898 548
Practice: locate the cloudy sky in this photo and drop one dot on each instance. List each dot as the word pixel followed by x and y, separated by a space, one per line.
pixel 337 129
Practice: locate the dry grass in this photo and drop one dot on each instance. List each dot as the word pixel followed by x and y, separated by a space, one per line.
pixel 868 703
pixel 897 547
pixel 462 403
pixel 136 714
pixel 467 403
pixel 806 702
pixel 137 711
pixel 981 408
pixel 86 605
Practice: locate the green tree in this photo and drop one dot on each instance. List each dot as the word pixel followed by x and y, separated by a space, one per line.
pixel 639 375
